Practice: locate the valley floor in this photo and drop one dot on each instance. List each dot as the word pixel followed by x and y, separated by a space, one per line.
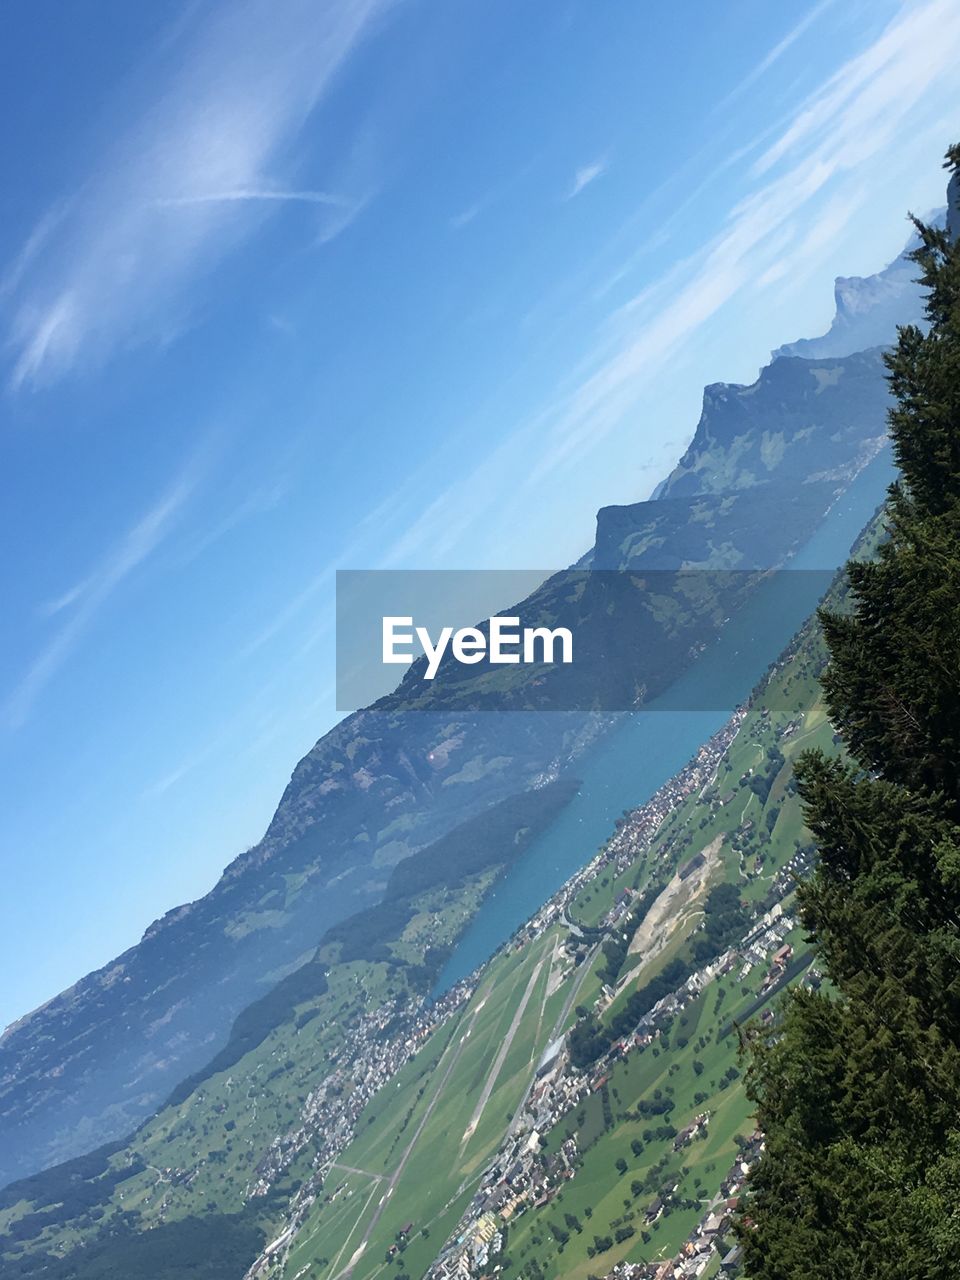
pixel 518 1159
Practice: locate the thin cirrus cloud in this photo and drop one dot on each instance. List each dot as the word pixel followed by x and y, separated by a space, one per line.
pixel 584 176
pixel 465 217
pixel 852 118
pixel 875 89
pixel 255 194
pixel 83 601
pixel 183 187
pixel 797 258
pixel 814 169
pixel 777 52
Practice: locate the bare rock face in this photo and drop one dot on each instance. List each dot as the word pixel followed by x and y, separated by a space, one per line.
pixel 802 422
pixel 869 308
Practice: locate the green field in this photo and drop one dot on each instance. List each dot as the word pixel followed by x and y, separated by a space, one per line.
pixel 600 1197
pixel 463 1087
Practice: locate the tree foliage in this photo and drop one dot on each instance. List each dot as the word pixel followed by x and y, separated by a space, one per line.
pixel 858 1089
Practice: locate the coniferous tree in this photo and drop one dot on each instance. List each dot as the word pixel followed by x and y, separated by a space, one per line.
pixel 858 1090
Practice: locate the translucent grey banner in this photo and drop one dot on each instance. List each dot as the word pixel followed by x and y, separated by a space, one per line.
pixel 588 640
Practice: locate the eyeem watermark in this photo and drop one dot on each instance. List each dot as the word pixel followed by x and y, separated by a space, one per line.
pixel 507 644
pixel 577 640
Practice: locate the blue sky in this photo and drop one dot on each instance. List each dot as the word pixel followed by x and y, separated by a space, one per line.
pixel 288 285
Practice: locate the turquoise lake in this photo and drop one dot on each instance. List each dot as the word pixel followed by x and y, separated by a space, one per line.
pixel 648 747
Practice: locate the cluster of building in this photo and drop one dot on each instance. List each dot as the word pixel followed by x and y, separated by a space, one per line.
pixel 711 1235
pixel 482 1242
pixel 798 868
pixel 523 1177
pixel 367 1059
pixel 639 827
pixel 767 936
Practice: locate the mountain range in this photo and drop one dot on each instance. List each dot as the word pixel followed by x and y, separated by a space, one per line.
pixel 766 464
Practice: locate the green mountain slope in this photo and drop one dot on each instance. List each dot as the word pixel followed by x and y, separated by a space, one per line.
pixel 238 1137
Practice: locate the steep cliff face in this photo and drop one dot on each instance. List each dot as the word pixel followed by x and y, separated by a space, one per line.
pixel 801 422
pixel 766 463
pixel 869 308
pixel 755 528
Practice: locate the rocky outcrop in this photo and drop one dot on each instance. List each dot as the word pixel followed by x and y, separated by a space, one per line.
pixel 868 309
pixel 801 422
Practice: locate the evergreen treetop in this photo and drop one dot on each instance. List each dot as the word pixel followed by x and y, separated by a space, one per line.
pixel 858 1089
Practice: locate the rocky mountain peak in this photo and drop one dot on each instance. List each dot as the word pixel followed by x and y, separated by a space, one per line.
pixel 868 309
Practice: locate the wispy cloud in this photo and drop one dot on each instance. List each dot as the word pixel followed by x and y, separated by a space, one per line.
pixel 262 500
pixel 873 91
pixel 811 175
pixel 584 176
pixel 777 52
pixel 81 602
pixel 797 258
pixel 465 217
pixel 294 607
pixel 192 177
pixel 50 608
pixel 35 242
pixel 255 193
pixel 835 132
pixel 316 595
pixel 169 780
